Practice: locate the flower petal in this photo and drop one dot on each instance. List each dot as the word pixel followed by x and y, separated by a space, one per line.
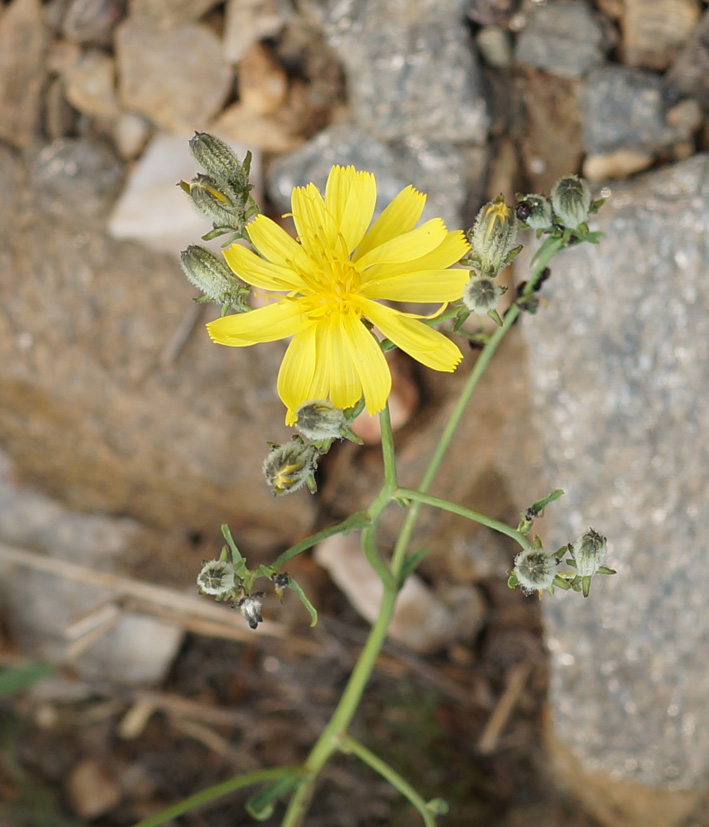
pixel 274 243
pixel 406 247
pixel 369 362
pixel 350 197
pixel 267 324
pixel 427 346
pixel 421 286
pixel 399 216
pixel 316 227
pixel 453 247
pixel 258 272
pixel 295 376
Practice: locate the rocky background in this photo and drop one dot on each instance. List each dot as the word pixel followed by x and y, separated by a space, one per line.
pixel 128 438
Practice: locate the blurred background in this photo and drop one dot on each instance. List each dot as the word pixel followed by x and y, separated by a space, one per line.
pixel 127 437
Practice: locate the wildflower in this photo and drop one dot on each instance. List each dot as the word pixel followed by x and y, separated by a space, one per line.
pixel 250 607
pixel 571 201
pixel 535 570
pixel 320 420
pixel 482 294
pixel 492 238
pixel 216 577
pixel 289 466
pixel 331 281
pixel 589 552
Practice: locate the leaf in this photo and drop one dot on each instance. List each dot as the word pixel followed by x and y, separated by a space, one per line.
pixel 261 805
pixel 18 678
pixel 308 605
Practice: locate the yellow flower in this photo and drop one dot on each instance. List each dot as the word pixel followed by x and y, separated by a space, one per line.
pixel 330 280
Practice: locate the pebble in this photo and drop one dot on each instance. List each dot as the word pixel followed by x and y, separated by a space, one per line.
pixel 90 84
pixel 130 135
pixel 653 31
pixel 495 47
pixel 278 132
pixel 249 21
pixel 23 43
pixel 618 164
pixel 171 14
pixel 263 83
pixel 92 21
pixel 689 73
pixel 176 78
pixel 91 789
pixel 564 38
pixel 625 108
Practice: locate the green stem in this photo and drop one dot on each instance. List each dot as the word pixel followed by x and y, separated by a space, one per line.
pixel 475 516
pixel 349 744
pixel 217 791
pixel 354 522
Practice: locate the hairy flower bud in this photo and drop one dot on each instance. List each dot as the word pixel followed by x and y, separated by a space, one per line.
pixel 250 608
pixel 571 201
pixel 492 237
pixel 320 419
pixel 535 569
pixel 589 553
pixel 481 294
pixel 219 202
pixel 288 467
pixel 213 277
pixel 216 577
pixel 219 162
pixel 535 211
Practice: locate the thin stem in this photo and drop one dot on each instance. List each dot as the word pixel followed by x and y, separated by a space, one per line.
pixel 217 791
pixel 354 522
pixel 475 516
pixel 388 454
pixel 349 744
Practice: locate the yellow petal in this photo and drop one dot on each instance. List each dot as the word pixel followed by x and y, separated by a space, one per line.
pixel 315 226
pixel 260 273
pixel 422 286
pixel 295 376
pixel 399 216
pixel 427 346
pixel 274 243
pixel 350 197
pixel 369 363
pixel 267 324
pixel 411 245
pixel 453 247
pixel 345 387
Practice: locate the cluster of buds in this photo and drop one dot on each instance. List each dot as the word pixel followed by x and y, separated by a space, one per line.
pixel 291 465
pixel 230 579
pixel 565 213
pixel 492 247
pixel 537 570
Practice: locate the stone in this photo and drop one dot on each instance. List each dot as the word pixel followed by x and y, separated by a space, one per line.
pixel 90 84
pixel 437 168
pixel 618 164
pixel 278 132
pixel 176 78
pixel 263 83
pixel 653 31
pixel 172 429
pixel 171 14
pixel 619 372
pixel 689 73
pixel 91 789
pixel 624 108
pixel 249 21
pixel 564 38
pixel 494 45
pixel 23 46
pixel 411 69
pixel 130 135
pixel 92 21
pixel 153 210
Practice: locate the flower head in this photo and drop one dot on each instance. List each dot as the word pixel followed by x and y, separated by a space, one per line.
pixel 535 569
pixel 571 201
pixel 216 577
pixel 332 280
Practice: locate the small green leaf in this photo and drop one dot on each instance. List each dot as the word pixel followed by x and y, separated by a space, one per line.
pixel 438 806
pixel 261 805
pixel 308 605
pixel 18 678
pixel 412 563
pixel 237 559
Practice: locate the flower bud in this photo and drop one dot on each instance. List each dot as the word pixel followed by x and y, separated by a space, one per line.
pixel 216 577
pixel 219 202
pixel 571 201
pixel 535 569
pixel 589 553
pixel 481 294
pixel 492 237
pixel 280 583
pixel 320 419
pixel 213 277
pixel 250 608
pixel 219 162
pixel 288 467
pixel 535 211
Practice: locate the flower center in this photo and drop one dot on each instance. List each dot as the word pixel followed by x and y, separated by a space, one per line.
pixel 332 289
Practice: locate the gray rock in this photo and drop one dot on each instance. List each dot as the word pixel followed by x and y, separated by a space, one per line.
pixel 564 38
pixel 689 73
pixel 411 68
pixel 625 109
pixel 437 168
pixel 23 42
pixel 620 371
pixel 177 78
